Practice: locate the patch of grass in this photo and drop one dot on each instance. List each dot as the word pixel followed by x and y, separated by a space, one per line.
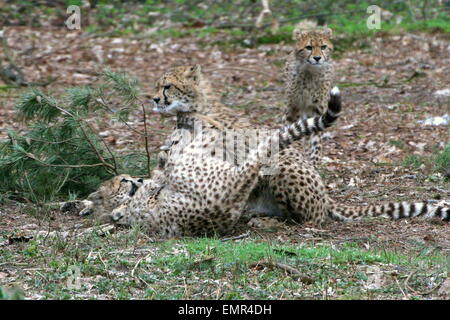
pixel 11 294
pixel 439 162
pixel 283 34
pixel 349 33
pixel 124 266
pixel 413 161
pixel 60 146
pixel 397 143
pixel 440 24
pixel 442 162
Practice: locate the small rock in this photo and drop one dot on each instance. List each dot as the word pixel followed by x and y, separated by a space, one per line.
pixel 436 121
pixel 443 92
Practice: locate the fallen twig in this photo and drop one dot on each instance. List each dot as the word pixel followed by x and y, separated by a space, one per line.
pixel 288 269
pixel 138 262
pixel 340 240
pixel 149 169
pixel 400 287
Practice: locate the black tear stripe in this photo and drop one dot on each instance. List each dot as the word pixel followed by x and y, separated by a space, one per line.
pixel 166 100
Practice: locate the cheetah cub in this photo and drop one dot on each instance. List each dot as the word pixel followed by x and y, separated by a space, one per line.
pixel 309 75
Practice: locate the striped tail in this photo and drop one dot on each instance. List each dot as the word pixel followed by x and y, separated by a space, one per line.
pixel 305 127
pixel 394 211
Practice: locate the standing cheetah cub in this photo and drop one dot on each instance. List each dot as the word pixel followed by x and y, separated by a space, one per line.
pixel 309 74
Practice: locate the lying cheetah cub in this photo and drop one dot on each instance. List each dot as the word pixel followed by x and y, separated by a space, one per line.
pixel 309 74
pixel 109 196
pixel 114 192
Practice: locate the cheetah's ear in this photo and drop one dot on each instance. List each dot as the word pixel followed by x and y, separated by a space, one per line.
pixel 297 34
pixel 327 32
pixel 196 68
pixel 194 72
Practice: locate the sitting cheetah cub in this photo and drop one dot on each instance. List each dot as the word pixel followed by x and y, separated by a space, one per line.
pixel 309 74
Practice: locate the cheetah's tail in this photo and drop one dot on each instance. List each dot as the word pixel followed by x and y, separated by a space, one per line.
pixel 305 127
pixel 392 210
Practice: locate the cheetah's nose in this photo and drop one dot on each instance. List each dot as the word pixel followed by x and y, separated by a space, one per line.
pixel 317 58
pixel 157 100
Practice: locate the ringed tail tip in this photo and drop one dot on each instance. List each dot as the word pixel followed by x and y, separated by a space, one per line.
pixel 335 91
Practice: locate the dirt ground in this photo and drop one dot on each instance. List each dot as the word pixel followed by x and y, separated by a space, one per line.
pixel 388 84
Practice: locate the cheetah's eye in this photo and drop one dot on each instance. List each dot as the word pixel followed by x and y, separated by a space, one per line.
pixel 140 180
pixel 167 86
pixel 123 180
pixel 308 48
pixel 323 47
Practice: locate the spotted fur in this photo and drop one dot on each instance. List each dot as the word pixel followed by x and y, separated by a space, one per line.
pixel 204 195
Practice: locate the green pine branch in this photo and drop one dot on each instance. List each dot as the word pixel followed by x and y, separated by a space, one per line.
pixel 62 154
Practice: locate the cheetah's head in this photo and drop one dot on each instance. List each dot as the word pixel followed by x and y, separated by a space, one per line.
pixel 313 47
pixel 111 194
pixel 141 207
pixel 179 90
